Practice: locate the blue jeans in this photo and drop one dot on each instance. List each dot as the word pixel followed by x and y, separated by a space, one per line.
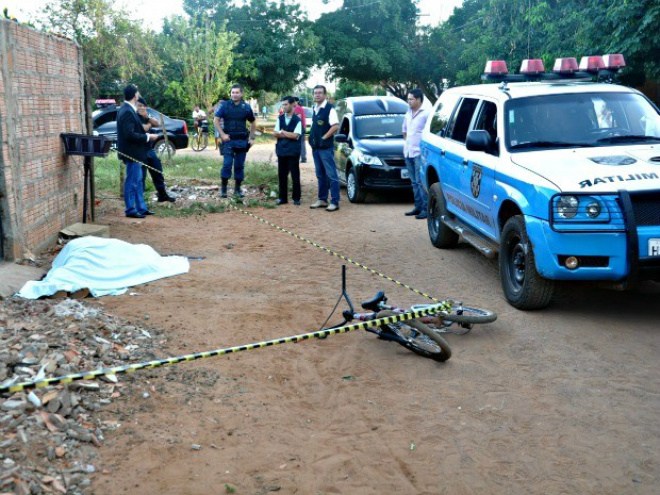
pixel 133 189
pixel 232 158
pixel 414 168
pixel 326 173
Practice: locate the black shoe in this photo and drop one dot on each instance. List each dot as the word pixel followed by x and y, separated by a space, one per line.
pixel 412 213
pixel 162 198
pixel 297 203
pixel 135 215
pixel 281 202
pixel 147 212
pixel 421 216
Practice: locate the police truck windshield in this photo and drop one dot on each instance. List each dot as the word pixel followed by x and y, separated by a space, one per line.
pixel 580 120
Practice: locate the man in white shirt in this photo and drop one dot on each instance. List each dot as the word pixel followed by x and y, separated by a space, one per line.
pixel 198 116
pixel 413 125
pixel 325 124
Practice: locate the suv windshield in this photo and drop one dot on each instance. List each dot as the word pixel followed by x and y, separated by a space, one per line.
pixel 379 126
pixel 580 120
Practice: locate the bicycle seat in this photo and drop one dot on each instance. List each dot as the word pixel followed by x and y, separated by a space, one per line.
pixel 372 304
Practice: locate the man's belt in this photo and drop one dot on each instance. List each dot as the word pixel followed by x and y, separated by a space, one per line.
pixel 240 135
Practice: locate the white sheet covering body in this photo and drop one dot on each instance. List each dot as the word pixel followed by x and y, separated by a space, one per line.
pixel 105 267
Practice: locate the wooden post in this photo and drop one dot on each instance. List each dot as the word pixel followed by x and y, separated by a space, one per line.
pixel 89 164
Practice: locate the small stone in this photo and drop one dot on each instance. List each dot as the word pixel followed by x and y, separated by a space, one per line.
pixel 196 447
pixel 13 405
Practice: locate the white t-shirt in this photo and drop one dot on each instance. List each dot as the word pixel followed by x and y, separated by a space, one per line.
pixel 199 114
pixel 297 130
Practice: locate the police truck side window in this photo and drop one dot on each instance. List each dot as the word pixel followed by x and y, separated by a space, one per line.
pixel 443 113
pixel 458 128
pixel 487 119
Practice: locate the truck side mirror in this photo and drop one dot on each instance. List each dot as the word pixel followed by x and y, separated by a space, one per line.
pixel 341 138
pixel 479 141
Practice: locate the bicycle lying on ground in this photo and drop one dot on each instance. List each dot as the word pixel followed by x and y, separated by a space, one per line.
pixel 422 336
pixel 200 139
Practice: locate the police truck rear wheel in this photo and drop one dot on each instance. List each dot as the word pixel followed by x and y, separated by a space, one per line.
pixel 441 236
pixel 523 287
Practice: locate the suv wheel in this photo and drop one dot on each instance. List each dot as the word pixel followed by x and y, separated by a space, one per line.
pixel 523 287
pixel 441 236
pixel 356 193
pixel 164 149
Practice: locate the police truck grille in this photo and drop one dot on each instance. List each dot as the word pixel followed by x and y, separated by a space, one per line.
pixel 395 162
pixel 646 208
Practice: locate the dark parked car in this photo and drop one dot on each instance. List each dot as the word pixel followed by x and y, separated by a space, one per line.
pixel 105 124
pixel 369 150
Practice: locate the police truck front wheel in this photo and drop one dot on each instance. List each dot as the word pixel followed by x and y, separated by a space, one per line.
pixel 441 236
pixel 523 287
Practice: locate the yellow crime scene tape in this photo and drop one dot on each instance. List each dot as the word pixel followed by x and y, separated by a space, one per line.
pixel 441 306
pixel 130 368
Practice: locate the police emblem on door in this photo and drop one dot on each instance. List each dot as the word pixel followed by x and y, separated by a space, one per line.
pixel 475 181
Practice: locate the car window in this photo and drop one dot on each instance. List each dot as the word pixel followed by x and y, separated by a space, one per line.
pixel 460 123
pixel 443 113
pixel 105 118
pixel 378 126
pixel 345 127
pixel 487 119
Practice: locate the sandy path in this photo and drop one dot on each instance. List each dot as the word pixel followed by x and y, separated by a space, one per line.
pixel 565 400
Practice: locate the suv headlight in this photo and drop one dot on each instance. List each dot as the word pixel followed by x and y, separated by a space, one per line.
pixel 366 159
pixel 567 206
pixel 578 209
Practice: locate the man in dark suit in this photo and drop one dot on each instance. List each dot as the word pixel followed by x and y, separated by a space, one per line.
pixel 133 146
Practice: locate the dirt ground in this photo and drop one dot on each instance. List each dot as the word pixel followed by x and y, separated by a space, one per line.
pixel 564 400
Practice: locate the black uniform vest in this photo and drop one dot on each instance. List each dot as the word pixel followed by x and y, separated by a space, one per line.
pixel 235 118
pixel 286 146
pixel 320 126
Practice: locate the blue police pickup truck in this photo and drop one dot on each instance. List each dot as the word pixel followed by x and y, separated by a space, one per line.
pixel 557 176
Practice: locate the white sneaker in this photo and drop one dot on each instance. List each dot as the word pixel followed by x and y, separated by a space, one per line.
pixel 332 207
pixel 319 204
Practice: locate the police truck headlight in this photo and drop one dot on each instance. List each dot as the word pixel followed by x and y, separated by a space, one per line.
pixel 593 209
pixel 567 206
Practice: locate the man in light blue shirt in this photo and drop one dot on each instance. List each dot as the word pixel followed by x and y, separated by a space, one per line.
pixel 413 125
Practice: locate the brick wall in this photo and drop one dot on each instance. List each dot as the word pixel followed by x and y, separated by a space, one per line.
pixel 41 95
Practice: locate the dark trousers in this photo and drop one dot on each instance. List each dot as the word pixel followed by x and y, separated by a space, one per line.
pixel 157 177
pixel 286 165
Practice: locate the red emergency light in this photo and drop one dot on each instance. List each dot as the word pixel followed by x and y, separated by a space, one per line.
pixel 532 66
pixel 567 65
pixel 614 61
pixel 496 68
pixel 592 63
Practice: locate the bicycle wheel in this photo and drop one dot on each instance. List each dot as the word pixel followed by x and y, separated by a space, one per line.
pixel 469 315
pixel 418 338
pixel 196 143
pixel 205 141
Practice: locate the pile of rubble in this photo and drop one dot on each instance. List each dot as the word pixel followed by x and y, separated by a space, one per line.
pixel 49 437
pixel 208 192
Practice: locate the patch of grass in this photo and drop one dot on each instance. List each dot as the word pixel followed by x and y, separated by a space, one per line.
pixel 108 170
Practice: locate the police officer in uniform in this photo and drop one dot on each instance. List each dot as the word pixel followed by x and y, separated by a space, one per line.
pixel 231 119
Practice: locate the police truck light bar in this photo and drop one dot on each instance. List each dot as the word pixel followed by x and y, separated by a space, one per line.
pixel 614 61
pixel 592 64
pixel 532 66
pixel 566 65
pixel 496 68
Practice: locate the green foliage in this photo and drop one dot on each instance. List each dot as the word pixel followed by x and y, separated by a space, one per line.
pixel 115 48
pixel 347 88
pixel 371 43
pixel 277 45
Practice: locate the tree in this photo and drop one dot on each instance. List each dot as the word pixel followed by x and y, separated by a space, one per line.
pixel 371 43
pixel 347 88
pixel 276 46
pixel 115 48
